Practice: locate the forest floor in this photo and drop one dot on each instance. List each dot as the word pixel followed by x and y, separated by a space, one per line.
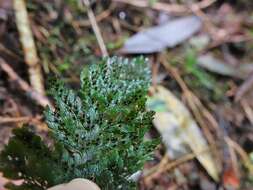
pixel 204 60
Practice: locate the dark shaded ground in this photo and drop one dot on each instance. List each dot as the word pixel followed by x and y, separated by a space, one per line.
pixel 66 43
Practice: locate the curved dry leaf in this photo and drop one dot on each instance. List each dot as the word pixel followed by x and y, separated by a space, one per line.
pixel 157 38
pixel 178 128
pixel 215 65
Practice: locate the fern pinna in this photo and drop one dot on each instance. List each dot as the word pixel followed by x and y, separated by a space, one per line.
pixel 98 131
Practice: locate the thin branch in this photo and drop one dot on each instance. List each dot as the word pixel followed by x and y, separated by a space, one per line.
pixel 167 165
pixel 37 97
pixel 244 156
pixel 103 15
pixel 169 8
pixel 244 88
pixel 23 119
pixel 95 28
pixel 28 44
pixel 248 110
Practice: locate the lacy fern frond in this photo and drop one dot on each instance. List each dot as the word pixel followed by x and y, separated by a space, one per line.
pixel 101 127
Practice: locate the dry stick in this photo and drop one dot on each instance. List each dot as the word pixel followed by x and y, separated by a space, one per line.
pixel 248 110
pixel 22 119
pixel 103 15
pixel 169 8
pixel 29 48
pixel 169 166
pixel 40 99
pixel 15 119
pixel 234 160
pixel 246 160
pixel 244 88
pixel 220 36
pixel 37 121
pixel 207 22
pixel 9 52
pixel 155 168
pixel 166 167
pixel 95 28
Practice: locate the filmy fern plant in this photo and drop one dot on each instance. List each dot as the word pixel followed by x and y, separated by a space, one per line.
pixel 98 131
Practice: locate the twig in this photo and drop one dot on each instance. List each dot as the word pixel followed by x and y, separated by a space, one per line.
pixel 248 110
pixel 169 8
pixel 155 69
pixel 40 99
pixel 29 48
pixel 95 28
pixel 9 52
pixel 206 21
pixel 14 119
pixel 246 161
pixel 169 166
pixel 161 165
pixel 244 88
pixel 99 17
pixel 165 166
pixel 234 161
pixel 23 119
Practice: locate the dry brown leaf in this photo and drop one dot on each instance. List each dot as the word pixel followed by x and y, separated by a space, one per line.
pixel 215 65
pixel 157 38
pixel 178 128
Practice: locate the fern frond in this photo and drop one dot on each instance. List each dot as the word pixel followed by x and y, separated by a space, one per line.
pixel 100 128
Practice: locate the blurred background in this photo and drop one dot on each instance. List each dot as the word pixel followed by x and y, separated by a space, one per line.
pixel 201 58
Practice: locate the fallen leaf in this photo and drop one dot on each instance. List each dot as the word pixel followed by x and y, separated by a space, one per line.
pixel 215 65
pixel 157 38
pixel 178 128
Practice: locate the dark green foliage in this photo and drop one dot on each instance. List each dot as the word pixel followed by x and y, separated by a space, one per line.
pixel 27 157
pixel 101 127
